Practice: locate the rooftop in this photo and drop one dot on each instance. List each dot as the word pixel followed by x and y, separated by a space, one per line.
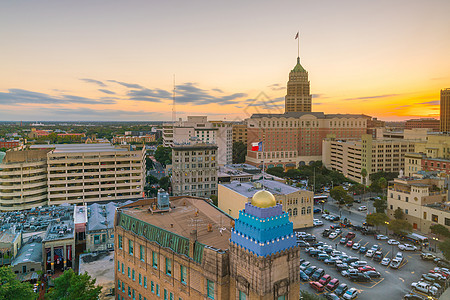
pixel 60 231
pixel 248 189
pixel 68 148
pixel 31 252
pixel 101 216
pixel 186 214
pixel 318 115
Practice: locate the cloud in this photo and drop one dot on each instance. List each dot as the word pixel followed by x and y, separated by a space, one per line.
pixel 149 95
pixel 403 106
pixel 19 96
pixel 217 90
pixel 434 102
pixel 190 93
pixel 128 85
pixel 107 91
pixel 276 87
pixel 89 80
pixel 373 97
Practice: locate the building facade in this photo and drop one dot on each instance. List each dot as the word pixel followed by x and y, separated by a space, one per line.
pixel 298 96
pixel 240 133
pixel 133 139
pixel 194 169
pixel 23 179
pixel 431 123
pixel 416 162
pixel 423 201
pixel 435 146
pixel 10 144
pixel 350 156
pixel 58 246
pixel 298 203
pixel 445 110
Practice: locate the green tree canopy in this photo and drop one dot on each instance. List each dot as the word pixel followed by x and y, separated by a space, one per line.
pixel 388 176
pixel 380 205
pixel 293 173
pixel 214 199
pixel 364 175
pixel 338 193
pixel 163 155
pixel 440 230
pixel 72 286
pixel 377 219
pixel 152 179
pixel 399 226
pixel 398 213
pixel 164 183
pixel 445 248
pixel 276 171
pixel 305 295
pixel 13 289
pixel 239 152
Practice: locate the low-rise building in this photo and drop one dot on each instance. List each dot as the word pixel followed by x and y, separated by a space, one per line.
pixel 433 124
pixel 10 243
pixel 416 162
pixel 58 246
pixel 298 203
pixel 423 200
pixel 28 263
pixel 10 144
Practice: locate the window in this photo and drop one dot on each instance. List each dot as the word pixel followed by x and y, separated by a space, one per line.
pixel 155 259
pixel 96 239
pixel 281 297
pixel 157 290
pixel 434 218
pixel 130 247
pixel 183 274
pixel 210 289
pixel 118 283
pixel 392 207
pixel 140 297
pixel 152 287
pixel 141 252
pixel 123 269
pixel 123 287
pixel 168 266
pixel 120 242
pixel 145 281
pixel 132 272
pixel 129 273
pixel 406 211
pixel 140 279
pixel 424 215
pixel 406 199
pixel 165 294
pixel 118 265
pixel 242 295
pixel 129 292
pixel 447 222
pixel 134 296
pixel 171 296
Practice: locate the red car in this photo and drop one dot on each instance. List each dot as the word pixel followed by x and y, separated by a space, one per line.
pixel 349 243
pixel 366 268
pixel 440 273
pixel 316 286
pixel 333 284
pixel 325 279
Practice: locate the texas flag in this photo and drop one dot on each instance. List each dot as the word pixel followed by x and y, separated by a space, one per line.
pixel 257 146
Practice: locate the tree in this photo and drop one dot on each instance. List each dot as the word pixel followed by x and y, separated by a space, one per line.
pixel 214 199
pixel 380 205
pixel 293 174
pixel 11 288
pixel 399 226
pixel 276 171
pixel 73 286
pixel 164 183
pixel 445 248
pixel 163 155
pixel 339 194
pixel 305 295
pixel 152 179
pixel 364 175
pixel 398 213
pixel 377 219
pixel 440 230
pixel 239 152
pixel 383 183
pixel 148 163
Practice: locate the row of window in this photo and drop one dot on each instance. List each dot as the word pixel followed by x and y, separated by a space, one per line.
pixel 293 212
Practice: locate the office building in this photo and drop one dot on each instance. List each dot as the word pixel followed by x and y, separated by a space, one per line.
pixel 23 179
pixel 293 139
pixel 445 110
pixel 298 203
pixel 435 146
pixel 298 96
pixel 423 201
pixel 194 169
pixel 430 123
pixel 350 156
pixel 210 132
pixel 189 249
pixel 240 133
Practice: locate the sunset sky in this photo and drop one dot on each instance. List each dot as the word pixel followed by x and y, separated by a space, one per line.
pixel 115 60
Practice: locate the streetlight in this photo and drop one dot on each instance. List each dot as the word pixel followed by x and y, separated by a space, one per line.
pixel 387 223
pixel 436 240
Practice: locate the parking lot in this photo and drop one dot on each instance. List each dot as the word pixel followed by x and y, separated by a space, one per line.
pixel 393 283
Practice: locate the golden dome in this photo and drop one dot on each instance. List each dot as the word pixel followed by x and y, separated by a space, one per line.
pixel 263 199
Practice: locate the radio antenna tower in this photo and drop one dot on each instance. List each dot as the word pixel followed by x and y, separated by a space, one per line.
pixel 174 112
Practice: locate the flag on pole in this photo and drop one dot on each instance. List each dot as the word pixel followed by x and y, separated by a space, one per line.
pixel 296 36
pixel 257 146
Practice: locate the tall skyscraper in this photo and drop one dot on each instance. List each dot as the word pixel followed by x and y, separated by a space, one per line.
pixel 445 110
pixel 298 96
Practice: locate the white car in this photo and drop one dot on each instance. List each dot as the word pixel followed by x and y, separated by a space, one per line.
pixel 393 242
pixel 424 287
pixel 325 215
pixel 332 235
pixel 318 223
pixel 385 261
pixel 356 246
pixel 362 208
pixel 382 237
pixel 370 253
pixel 350 294
pixel 407 247
pixel 399 256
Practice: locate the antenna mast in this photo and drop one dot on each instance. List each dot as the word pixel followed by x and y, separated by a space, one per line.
pixel 174 112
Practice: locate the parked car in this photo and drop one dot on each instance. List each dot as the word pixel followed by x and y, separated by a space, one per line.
pixel 341 289
pixel 349 244
pixel 385 261
pixel 316 286
pixel 381 237
pixel 318 223
pixel 342 267
pixel 395 264
pixel 303 276
pixel 393 242
pixel 359 263
pixel 350 294
pixel 331 296
pixel 331 260
pixel 424 288
pixel 368 231
pixel 325 279
pixel 326 232
pixel 356 246
pixel 427 256
pixel 378 256
pixel 322 257
pixel 363 250
pixel 413 296
pixel 399 256
pixel 310 270
pixel 333 284
pixel 359 277
pixel 407 247
pixel 362 208
pixel 350 235
pixel 375 248
pixel 325 215
pixel 347 273
pixel 373 274
pixel 302 244
pixel 317 210
pixel 370 253
pixel 366 268
pixel 332 235
pixel 343 241
pixel 305 265
pixel 317 274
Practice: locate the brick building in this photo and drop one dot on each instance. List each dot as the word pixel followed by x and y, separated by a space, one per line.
pixel 431 123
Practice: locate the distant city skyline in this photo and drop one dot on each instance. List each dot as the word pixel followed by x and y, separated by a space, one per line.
pixel 104 61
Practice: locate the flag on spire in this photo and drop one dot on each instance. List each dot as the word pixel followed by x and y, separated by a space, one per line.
pixel 296 36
